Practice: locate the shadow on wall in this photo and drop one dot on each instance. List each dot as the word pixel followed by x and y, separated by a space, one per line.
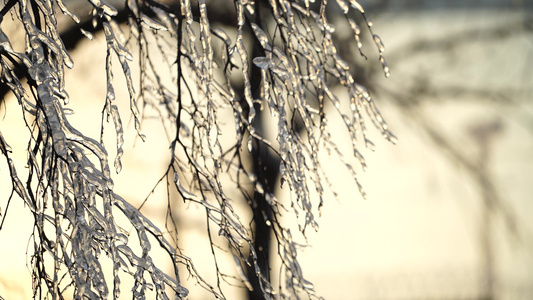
pixel 447 215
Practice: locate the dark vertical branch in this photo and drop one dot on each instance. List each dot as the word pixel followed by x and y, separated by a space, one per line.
pixel 482 134
pixel 266 168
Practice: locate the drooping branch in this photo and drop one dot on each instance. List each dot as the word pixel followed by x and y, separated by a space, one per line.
pixel 275 56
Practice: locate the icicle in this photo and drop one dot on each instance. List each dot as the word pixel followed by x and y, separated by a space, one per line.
pixel 357 6
pixel 344 6
pixel 184 192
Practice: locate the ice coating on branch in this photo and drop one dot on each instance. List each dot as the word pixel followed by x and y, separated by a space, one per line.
pixel 261 37
pixel 262 62
pixel 203 81
pixel 357 6
pixel 105 7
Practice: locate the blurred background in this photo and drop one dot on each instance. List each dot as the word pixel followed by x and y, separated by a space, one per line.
pixel 449 211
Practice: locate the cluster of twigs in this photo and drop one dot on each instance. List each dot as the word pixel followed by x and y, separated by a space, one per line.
pixel 277 56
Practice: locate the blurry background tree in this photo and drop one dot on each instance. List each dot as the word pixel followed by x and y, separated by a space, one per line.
pixel 463 82
pixel 209 72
